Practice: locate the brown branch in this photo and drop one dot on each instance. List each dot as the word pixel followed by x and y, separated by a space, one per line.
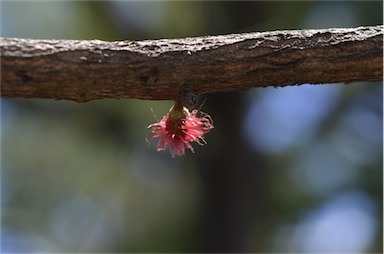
pixel 161 69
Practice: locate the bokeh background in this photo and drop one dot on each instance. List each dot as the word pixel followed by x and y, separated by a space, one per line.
pixel 294 169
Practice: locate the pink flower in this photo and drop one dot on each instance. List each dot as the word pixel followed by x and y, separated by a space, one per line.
pixel 180 128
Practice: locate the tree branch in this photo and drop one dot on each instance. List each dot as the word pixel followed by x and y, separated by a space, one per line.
pixel 160 69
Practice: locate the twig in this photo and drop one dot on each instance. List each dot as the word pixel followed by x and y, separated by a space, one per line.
pixel 161 69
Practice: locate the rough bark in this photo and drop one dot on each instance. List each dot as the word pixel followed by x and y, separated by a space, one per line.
pixel 161 69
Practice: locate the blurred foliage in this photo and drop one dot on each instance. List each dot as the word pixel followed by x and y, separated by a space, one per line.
pixel 295 169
